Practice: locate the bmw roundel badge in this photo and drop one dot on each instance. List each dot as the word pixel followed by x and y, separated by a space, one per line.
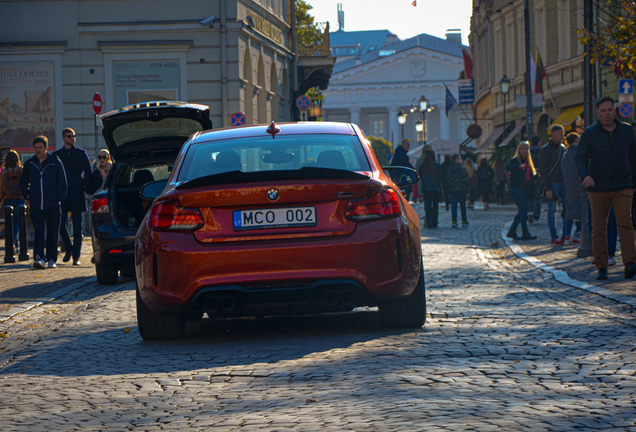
pixel 272 194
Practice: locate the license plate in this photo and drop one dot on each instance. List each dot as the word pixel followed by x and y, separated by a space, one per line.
pixel 286 217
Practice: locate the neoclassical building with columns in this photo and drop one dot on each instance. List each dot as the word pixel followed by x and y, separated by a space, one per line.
pixel 371 89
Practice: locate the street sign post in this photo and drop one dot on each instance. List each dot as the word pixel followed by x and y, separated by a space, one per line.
pixel 626 110
pixel 625 86
pixel 97 107
pixel 303 102
pixel 622 98
pixel 237 119
pixel 466 91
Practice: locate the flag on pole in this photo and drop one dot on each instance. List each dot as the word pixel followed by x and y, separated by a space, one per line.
pixel 468 63
pixel 537 73
pixel 414 3
pixel 450 100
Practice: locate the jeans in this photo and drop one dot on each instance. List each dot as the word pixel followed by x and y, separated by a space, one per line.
pixel 521 200
pixel 77 233
pixel 49 220
pixel 458 198
pixel 621 201
pixel 16 221
pixel 431 207
pixel 558 190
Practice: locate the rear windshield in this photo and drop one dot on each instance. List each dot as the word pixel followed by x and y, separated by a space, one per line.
pixel 161 129
pixel 290 152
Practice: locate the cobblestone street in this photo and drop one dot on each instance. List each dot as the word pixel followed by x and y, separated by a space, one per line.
pixel 505 347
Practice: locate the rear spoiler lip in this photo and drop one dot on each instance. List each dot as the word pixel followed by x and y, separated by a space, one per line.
pixel 305 173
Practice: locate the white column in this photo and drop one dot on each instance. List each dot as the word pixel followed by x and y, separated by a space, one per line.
pixel 444 128
pixel 394 126
pixel 355 115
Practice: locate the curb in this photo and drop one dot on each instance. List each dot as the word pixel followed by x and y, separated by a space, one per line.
pixel 561 275
pixel 23 307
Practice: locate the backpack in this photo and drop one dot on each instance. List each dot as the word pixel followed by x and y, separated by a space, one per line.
pixel 12 183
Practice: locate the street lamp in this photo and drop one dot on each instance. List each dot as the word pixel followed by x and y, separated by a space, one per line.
pixel 401 120
pixel 423 103
pixel 505 88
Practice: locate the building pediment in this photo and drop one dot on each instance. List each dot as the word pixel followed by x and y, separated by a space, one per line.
pixel 405 67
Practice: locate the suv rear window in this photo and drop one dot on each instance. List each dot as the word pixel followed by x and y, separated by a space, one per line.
pixel 149 130
pixel 289 152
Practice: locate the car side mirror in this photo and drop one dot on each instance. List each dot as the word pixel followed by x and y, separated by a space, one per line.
pixel 402 176
pixel 152 190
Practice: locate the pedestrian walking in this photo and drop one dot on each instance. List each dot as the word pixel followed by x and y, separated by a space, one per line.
pixel 430 174
pixel 550 157
pixel 10 191
pixel 571 181
pixel 606 162
pixel 501 180
pixel 102 167
pixel 486 176
pixel 473 181
pixel 444 169
pixel 534 211
pixel 457 180
pixel 43 184
pixel 400 158
pixel 522 171
pixel 78 172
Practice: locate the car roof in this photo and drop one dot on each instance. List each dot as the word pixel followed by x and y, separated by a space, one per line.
pixel 296 128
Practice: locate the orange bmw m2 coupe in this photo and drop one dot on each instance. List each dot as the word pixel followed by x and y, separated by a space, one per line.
pixel 294 218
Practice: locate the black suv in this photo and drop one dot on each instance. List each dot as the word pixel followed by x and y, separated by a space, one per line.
pixel 143 140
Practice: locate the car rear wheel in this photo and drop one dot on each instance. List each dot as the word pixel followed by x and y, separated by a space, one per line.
pixel 153 326
pixel 106 274
pixel 406 313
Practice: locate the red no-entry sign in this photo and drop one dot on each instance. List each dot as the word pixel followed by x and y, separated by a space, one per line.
pixel 97 103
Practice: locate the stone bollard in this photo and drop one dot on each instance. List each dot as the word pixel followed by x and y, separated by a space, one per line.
pixel 9 258
pixel 22 234
pixel 585 250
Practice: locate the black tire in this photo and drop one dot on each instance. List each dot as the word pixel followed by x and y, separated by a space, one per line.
pixel 406 313
pixel 106 274
pixel 155 326
pixel 127 272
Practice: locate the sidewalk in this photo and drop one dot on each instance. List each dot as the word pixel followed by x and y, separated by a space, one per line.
pixel 562 258
pixel 21 285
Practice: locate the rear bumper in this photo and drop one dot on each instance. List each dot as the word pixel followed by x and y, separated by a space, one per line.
pixel 378 261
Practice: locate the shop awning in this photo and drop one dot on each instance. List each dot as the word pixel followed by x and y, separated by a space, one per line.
pixel 514 133
pixel 487 143
pixel 567 117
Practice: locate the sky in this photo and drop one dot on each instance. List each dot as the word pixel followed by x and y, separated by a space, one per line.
pixel 433 17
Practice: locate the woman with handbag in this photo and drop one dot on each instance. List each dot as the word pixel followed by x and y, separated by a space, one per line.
pixel 522 172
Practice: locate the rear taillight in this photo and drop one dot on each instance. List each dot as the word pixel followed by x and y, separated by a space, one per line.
pixel 170 216
pixel 99 205
pixel 382 204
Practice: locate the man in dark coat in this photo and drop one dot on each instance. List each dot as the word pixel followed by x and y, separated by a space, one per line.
pixel 43 184
pixel 606 162
pixel 550 157
pixel 400 158
pixel 78 173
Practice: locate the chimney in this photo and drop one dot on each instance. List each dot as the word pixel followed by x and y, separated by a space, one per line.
pixel 454 35
pixel 340 17
pixel 391 38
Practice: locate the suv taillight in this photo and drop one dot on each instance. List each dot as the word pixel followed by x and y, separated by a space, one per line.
pixel 170 216
pixel 99 205
pixel 382 204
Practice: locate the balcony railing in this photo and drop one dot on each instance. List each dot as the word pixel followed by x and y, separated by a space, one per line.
pixel 313 40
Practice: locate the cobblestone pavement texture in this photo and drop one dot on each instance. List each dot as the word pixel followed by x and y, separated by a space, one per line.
pixel 505 347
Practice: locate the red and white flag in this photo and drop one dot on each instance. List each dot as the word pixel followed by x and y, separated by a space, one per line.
pixel 468 64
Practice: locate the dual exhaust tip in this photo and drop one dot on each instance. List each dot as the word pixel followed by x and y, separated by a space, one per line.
pixel 215 304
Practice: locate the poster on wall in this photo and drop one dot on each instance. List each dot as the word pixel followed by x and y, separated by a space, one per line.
pixel 27 104
pixel 145 81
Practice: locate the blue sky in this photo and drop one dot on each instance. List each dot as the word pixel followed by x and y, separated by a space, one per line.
pixel 398 16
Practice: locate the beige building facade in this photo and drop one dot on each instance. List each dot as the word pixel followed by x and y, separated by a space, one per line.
pixel 498 49
pixel 233 55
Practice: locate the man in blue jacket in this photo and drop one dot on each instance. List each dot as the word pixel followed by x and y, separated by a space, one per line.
pixel 43 184
pixel 606 162
pixel 78 173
